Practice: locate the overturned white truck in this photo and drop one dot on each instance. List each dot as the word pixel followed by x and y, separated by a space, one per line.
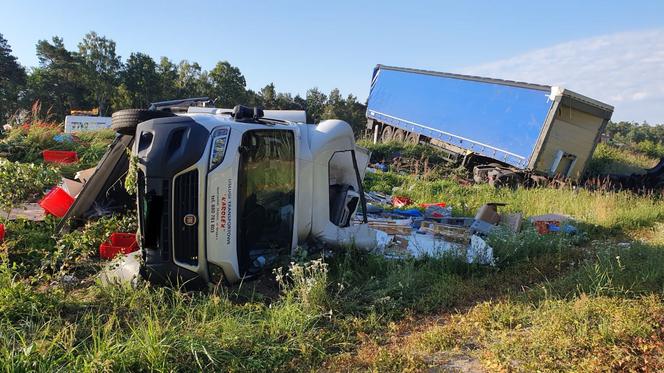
pixel 223 194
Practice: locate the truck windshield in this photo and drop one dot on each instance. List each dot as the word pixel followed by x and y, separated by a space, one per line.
pixel 266 197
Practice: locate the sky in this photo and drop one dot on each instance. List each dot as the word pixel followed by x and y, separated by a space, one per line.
pixel 609 50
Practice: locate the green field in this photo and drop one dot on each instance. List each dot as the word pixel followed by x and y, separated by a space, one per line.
pixel 587 302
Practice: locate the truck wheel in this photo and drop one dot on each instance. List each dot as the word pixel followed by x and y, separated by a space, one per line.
pixel 386 134
pixel 125 121
pixel 413 138
pixel 399 135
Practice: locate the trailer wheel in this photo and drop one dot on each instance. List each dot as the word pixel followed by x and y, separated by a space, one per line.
pixel 413 138
pixel 507 179
pixel 399 135
pixel 386 134
pixel 125 121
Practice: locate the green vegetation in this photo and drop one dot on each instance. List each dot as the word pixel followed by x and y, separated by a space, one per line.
pixel 611 159
pixel 585 302
pixel 20 182
pixel 644 138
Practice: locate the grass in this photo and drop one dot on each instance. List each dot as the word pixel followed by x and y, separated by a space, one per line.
pixel 609 210
pixel 607 314
pixel 588 302
pixel 25 144
pixel 611 159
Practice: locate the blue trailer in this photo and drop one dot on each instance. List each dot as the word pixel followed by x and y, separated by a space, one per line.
pixel 478 121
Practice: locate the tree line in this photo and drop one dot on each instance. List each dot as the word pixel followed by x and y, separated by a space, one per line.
pixel 95 76
pixel 646 138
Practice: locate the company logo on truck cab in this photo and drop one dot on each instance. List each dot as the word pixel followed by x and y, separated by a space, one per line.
pixel 220 212
pixel 189 220
pixel 223 207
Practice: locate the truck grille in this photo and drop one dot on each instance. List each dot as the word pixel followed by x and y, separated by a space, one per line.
pixel 185 218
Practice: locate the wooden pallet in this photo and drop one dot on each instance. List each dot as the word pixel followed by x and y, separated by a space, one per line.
pixel 391 227
pixel 452 233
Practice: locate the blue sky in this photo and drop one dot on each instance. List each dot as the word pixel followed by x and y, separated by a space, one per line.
pixel 302 44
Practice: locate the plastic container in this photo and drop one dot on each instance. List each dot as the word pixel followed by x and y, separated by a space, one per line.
pixel 544 227
pixel 60 156
pixel 2 232
pixel 56 202
pixel 118 243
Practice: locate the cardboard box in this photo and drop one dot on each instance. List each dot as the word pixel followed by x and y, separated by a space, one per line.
pixel 489 213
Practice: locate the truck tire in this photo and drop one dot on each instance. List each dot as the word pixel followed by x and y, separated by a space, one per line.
pixel 386 134
pixel 399 135
pixel 125 121
pixel 413 138
pixel 506 179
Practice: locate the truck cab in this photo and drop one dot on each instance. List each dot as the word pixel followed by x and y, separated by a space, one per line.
pixel 224 195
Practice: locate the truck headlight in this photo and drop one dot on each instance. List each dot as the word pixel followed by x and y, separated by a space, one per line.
pixel 218 149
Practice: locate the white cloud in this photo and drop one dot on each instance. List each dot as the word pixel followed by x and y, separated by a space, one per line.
pixel 625 70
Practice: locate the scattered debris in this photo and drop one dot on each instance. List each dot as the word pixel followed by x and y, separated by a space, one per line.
pixel 392 226
pixel 489 213
pixel 72 187
pixel 2 233
pixel 60 156
pixel 436 211
pixel 552 223
pixel 420 245
pixel 451 233
pixel 378 198
pixel 84 175
pixel 401 201
pixel 512 221
pixel 69 281
pixel 415 213
pixel 63 138
pixel 482 227
pixel 118 243
pixel 479 251
pixel 56 202
pixel 459 221
pixel 124 269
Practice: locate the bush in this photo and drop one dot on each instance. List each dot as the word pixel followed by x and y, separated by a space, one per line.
pixel 75 248
pixel 24 182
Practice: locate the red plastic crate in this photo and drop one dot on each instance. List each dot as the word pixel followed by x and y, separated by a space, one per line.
pixel 542 227
pixel 56 202
pixel 117 243
pixel 2 232
pixel 60 156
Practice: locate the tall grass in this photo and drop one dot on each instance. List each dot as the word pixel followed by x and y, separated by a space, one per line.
pixel 612 210
pixel 120 328
pixel 609 159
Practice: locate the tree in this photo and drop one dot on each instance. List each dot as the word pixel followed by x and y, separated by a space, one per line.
pixel 141 80
pixel 168 76
pixel 335 107
pixel 12 80
pixel 102 67
pixel 315 105
pixel 189 79
pixel 268 97
pixel 58 83
pixel 228 85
